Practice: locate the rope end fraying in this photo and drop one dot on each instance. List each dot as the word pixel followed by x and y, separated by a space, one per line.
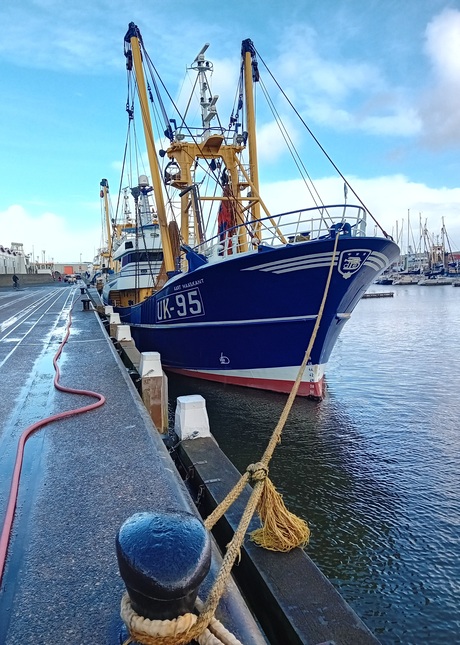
pixel 281 530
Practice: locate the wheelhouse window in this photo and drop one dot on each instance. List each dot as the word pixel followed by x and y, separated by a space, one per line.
pixel 142 256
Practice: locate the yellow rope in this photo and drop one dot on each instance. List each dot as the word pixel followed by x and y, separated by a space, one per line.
pixel 290 531
pixel 294 532
pixel 179 631
pixel 152 632
pixel 281 530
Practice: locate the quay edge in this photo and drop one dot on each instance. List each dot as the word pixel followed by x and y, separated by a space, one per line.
pixel 290 597
pixel 89 474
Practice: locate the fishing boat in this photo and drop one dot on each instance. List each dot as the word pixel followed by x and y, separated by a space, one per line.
pixel 385 280
pixel 442 265
pixel 134 254
pixel 242 291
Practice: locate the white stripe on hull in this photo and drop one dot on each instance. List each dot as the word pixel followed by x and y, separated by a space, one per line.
pixel 229 323
pixel 312 374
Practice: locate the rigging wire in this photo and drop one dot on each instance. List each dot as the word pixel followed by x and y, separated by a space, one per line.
pixel 292 149
pixel 130 143
pixel 321 147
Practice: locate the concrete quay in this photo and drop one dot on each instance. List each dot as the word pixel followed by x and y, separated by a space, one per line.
pixel 83 477
pixel 293 601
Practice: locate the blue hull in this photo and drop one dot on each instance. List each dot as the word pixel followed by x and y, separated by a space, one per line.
pixel 251 316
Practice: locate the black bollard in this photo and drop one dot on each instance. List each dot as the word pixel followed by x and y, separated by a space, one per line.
pixel 82 290
pixel 163 557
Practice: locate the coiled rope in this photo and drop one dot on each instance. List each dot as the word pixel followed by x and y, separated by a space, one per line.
pixel 280 531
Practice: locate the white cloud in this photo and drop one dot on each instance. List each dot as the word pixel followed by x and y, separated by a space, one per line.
pixel 61 238
pixel 346 93
pixel 388 198
pixel 442 45
pixel 271 144
pixel 440 104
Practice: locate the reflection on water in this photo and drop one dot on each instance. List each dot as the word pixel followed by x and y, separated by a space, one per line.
pixel 375 467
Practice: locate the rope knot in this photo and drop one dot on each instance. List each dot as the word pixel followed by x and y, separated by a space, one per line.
pixel 258 471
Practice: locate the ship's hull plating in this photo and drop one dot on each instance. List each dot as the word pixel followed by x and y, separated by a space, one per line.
pixel 247 320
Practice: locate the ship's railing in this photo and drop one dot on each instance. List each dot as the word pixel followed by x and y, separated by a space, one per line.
pixel 292 227
pixel 201 135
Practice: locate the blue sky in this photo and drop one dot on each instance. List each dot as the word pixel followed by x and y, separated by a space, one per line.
pixel 378 82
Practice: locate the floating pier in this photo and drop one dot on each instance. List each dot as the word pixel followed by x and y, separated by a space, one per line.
pixel 379 294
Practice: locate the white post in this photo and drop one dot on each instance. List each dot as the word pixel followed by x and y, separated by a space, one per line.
pixel 123 332
pixel 114 321
pixel 191 419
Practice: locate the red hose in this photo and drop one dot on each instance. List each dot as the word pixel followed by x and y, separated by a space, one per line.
pixel 12 500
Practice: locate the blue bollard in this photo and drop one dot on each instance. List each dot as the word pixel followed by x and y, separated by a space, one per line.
pixel 163 557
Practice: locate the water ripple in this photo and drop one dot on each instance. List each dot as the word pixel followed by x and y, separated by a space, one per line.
pixel 374 468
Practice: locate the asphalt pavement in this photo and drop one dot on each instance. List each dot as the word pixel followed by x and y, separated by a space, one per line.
pixel 82 477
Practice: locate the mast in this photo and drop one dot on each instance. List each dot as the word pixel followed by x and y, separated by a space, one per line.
pixel 251 74
pixel 133 37
pixel 207 143
pixel 104 194
pixel 207 102
pixel 105 191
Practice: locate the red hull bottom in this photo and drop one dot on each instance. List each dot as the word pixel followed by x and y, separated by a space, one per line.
pixel 312 390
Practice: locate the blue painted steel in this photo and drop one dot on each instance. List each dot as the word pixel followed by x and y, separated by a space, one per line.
pixel 257 310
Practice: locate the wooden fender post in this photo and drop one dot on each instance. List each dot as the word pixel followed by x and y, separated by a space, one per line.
pixel 154 387
pixel 114 321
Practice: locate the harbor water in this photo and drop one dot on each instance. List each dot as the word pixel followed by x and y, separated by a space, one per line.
pixel 375 467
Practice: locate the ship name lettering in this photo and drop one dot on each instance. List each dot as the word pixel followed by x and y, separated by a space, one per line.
pixel 163 309
pixel 179 305
pixel 194 283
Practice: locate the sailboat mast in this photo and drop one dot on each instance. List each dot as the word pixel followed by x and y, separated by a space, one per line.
pixel 104 195
pixel 251 75
pixel 133 36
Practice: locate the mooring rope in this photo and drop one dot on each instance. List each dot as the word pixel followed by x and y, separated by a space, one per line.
pixel 281 530
pixel 173 632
